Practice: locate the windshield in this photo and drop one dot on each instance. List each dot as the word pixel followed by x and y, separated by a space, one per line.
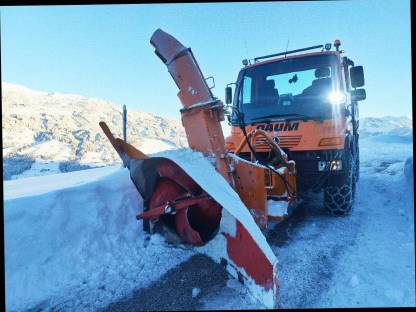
pixel 291 88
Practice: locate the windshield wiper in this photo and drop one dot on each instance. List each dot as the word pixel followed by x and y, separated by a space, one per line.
pixel 294 115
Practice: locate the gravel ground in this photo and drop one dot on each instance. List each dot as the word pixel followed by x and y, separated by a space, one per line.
pixel 180 288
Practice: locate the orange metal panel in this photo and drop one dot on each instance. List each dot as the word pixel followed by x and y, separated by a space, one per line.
pixel 204 133
pixel 303 137
pixel 250 186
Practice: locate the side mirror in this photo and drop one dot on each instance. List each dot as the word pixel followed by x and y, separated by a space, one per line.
pixel 358 95
pixel 228 95
pixel 357 76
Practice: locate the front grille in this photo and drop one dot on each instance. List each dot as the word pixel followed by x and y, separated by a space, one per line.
pixel 284 141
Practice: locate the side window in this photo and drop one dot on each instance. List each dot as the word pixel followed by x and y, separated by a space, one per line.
pixel 245 94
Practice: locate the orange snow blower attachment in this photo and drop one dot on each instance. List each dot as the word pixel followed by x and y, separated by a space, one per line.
pixel 222 208
pixel 279 178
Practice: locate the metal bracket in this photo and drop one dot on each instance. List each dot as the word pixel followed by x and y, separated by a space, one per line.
pixel 212 104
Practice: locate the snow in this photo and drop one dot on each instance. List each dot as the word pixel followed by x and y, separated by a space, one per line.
pixel 195 292
pixel 366 259
pixel 399 126
pixel 72 241
pixel 80 218
pixel 277 208
pixel 51 149
pixel 380 266
pixel 55 182
pixel 154 146
pixel 41 167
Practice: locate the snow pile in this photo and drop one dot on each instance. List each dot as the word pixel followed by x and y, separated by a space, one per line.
pixel 76 232
pixel 48 129
pixel 72 241
pixel 277 208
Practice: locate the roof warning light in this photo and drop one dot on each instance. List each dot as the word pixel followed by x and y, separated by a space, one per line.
pixel 337 43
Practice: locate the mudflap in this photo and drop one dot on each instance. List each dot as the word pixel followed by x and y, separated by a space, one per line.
pixel 236 241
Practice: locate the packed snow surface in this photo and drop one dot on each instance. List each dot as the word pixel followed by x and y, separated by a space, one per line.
pixel 378 267
pixel 366 259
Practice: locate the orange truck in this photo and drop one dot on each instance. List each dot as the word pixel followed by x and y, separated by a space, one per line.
pixel 308 103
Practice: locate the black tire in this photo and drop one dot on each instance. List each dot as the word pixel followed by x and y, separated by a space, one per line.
pixel 339 192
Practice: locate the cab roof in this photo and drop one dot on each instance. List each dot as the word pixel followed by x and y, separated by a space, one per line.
pixel 276 59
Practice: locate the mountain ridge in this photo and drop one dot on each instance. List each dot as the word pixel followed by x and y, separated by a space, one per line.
pixel 63 128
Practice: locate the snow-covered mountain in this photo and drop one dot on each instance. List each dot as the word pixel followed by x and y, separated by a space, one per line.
pixel 52 132
pixel 399 126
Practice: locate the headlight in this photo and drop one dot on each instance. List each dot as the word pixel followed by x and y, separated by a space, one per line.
pixel 333 165
pixel 337 97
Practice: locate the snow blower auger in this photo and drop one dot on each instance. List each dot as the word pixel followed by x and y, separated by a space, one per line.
pixel 223 211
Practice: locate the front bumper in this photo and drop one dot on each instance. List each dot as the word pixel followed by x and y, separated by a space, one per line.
pixel 315 162
pixel 314 167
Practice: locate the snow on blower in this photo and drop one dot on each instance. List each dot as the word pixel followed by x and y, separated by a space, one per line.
pixel 224 212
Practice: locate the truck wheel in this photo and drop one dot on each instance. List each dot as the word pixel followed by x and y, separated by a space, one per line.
pixel 357 165
pixel 340 190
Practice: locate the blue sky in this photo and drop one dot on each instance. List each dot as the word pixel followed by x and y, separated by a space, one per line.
pixel 104 51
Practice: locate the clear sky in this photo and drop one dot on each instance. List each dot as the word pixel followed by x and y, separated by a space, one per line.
pixel 104 51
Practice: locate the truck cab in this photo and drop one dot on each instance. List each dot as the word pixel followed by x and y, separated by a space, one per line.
pixel 308 103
